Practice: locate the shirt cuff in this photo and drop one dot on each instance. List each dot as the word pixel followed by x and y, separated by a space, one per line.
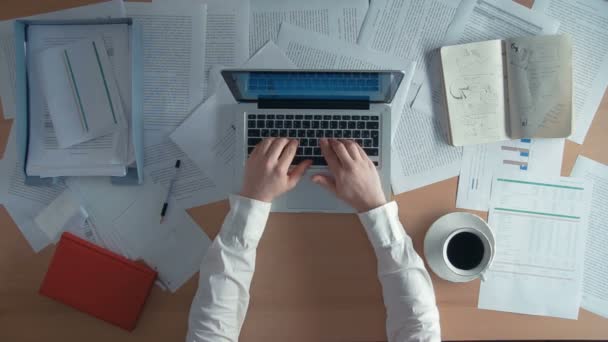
pixel 382 225
pixel 246 221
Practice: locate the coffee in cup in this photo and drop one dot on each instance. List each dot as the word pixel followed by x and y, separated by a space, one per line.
pixel 459 247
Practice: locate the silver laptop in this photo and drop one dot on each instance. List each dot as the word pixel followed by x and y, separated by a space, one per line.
pixel 308 105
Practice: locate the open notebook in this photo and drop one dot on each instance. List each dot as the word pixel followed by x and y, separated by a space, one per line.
pixel 508 89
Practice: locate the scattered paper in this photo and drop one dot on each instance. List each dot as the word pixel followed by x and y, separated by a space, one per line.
pixel 127 220
pixel 409 29
pixel 481 163
pixel 227 37
pixel 595 291
pixel 63 213
pixel 24 202
pixel 212 125
pixel 193 187
pixel 310 50
pixel 420 154
pixel 540 226
pixel 106 9
pixel 339 19
pixel 587 23
pixel 174 37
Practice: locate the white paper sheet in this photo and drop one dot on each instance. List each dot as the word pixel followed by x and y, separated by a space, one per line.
pixel 587 22
pixel 211 125
pixel 227 36
pixel 173 41
pixel 540 226
pixel 24 202
pixel 193 187
pixel 481 163
pixel 105 9
pixel 128 221
pixel 310 50
pixel 174 248
pixel 408 29
pixel 478 21
pixel 62 213
pixel 420 153
pixel 339 19
pixel 595 291
pixel 85 231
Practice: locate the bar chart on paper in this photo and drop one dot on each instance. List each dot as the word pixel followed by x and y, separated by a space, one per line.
pixel 516 154
pixel 480 163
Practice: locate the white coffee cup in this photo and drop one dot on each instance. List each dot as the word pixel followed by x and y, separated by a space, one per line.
pixel 459 247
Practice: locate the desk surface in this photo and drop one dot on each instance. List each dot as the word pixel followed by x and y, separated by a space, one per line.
pixel 315 276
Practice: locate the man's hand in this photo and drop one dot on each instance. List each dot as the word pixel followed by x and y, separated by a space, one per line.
pixel 353 177
pixel 267 173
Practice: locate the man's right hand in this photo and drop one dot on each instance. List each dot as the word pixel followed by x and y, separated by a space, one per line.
pixel 353 176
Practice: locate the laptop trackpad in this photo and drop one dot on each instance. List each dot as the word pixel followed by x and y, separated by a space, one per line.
pixel 308 196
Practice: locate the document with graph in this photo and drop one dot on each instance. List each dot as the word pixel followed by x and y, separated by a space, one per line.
pixel 508 89
pixel 521 157
pixel 541 227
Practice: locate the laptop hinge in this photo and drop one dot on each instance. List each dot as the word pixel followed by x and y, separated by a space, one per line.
pixel 313 104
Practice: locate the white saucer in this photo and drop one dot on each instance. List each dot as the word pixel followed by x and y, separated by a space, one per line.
pixel 438 233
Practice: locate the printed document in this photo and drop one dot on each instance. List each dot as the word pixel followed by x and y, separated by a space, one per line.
pixel 481 163
pixel 227 36
pixel 540 225
pixel 310 50
pixel 106 9
pixel 478 21
pixel 339 19
pixel 420 154
pixel 192 187
pixel 212 125
pixel 408 29
pixel 24 202
pixel 595 291
pixel 587 22
pixel 173 42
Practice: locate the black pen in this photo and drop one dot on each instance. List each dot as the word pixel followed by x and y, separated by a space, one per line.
pixel 163 212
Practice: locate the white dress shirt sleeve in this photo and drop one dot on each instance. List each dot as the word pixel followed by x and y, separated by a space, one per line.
pixel 409 298
pixel 220 304
pixel 221 301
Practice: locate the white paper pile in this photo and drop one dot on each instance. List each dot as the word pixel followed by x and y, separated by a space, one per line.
pixel 107 155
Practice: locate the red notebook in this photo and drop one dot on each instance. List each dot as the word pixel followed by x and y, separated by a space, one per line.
pixel 97 281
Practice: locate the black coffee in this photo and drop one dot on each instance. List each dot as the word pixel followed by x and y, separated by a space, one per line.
pixel 465 251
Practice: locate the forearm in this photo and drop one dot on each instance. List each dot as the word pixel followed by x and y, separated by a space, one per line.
pixel 221 301
pixel 412 313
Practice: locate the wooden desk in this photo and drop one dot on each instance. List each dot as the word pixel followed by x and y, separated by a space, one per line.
pixel 315 277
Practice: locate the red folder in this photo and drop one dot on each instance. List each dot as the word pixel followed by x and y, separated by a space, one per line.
pixel 97 281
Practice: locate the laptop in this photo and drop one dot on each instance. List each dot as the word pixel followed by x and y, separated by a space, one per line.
pixel 309 105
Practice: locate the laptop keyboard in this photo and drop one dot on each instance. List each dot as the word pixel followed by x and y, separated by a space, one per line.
pixel 308 129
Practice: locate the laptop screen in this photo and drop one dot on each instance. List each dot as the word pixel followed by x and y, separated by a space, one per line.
pixel 372 86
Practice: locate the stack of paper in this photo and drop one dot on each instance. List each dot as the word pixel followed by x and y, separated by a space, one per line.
pixel 81 92
pixel 95 107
